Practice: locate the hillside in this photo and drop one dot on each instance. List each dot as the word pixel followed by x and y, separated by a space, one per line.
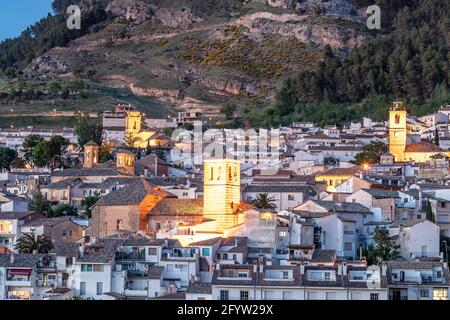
pixel 169 55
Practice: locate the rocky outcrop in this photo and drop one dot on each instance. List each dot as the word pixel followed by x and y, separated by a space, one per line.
pixel 160 93
pixel 134 11
pixel 232 86
pixel 48 63
pixel 181 19
pixel 292 26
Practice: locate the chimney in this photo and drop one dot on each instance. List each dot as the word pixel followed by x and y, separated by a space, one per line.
pixel 12 258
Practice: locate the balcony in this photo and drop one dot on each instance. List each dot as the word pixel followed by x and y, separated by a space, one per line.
pixel 18 282
pixel 45 266
pixel 132 256
pixel 179 255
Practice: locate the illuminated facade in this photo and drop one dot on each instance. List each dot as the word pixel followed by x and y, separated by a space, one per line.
pixel 419 152
pixel 134 122
pixel 125 161
pixel 397 131
pixel 91 154
pixel 221 195
pixel 140 137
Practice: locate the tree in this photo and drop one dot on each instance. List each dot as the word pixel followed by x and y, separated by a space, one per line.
pixel 161 154
pixel 29 144
pixel 228 110
pixel 7 156
pixel 18 163
pixel 49 153
pixel 88 128
pixel 383 250
pixel 88 203
pixel 63 210
pixel 129 140
pixel 330 161
pixel 40 204
pixel 429 211
pixel 29 243
pixel 371 153
pixel 263 201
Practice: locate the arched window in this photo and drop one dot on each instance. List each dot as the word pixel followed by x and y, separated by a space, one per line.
pixel 397 119
pixel 212 174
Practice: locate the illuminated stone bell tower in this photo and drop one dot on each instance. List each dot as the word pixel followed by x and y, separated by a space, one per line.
pixel 125 161
pixel 221 195
pixel 134 122
pixel 397 131
pixel 91 154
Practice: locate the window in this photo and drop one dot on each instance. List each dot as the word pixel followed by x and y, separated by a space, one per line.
pixel 244 295
pixel 92 268
pixel 282 234
pixel 440 294
pixel 152 251
pixel 327 276
pixel 119 224
pixel 99 288
pixel 438 274
pixel 99 268
pixel 285 274
pixel 348 246
pixel 82 288
pixel 424 293
pixel 205 252
pixel 374 296
pixel 223 294
pixel 243 275
pixel 291 197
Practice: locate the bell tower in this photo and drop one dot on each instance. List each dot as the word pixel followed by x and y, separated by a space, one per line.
pixel 397 131
pixel 221 193
pixel 91 154
pixel 134 122
pixel 125 161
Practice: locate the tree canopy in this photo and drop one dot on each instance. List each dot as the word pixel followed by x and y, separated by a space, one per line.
pixel 371 153
pixel 88 128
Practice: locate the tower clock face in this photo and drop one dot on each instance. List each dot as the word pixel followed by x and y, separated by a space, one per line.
pixel 397 133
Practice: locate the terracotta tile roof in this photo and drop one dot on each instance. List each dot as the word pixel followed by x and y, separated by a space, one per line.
pixel 423 146
pixel 133 194
pixel 173 207
pixel 341 171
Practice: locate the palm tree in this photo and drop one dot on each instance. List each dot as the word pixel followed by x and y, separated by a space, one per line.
pixel 263 201
pixel 29 243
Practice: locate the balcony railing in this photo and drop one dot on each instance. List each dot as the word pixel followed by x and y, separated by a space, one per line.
pixel 130 256
pixel 178 255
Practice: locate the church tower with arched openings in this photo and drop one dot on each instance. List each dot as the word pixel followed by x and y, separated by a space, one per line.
pixel 133 123
pixel 397 131
pixel 222 193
